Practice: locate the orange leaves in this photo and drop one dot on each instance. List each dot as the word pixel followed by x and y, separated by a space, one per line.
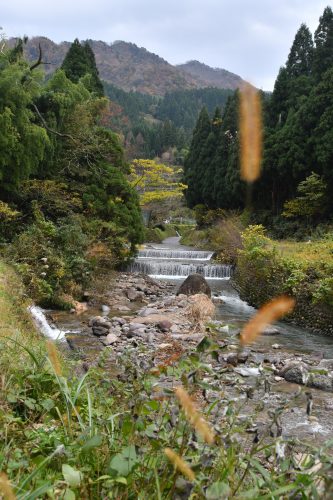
pixel 270 312
pixel 250 133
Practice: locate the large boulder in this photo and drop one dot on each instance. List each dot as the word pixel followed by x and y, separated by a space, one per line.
pixel 194 284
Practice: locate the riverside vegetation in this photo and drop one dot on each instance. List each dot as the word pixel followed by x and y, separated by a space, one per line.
pixel 70 435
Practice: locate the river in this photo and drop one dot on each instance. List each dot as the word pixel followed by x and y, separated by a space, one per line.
pixel 172 262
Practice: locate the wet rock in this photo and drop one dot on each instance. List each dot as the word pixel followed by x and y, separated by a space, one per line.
pixel 270 331
pixel 164 325
pixel 194 284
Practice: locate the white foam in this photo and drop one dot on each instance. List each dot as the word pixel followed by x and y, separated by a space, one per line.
pixel 43 326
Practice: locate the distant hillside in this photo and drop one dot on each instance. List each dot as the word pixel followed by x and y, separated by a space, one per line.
pixel 211 77
pixel 132 68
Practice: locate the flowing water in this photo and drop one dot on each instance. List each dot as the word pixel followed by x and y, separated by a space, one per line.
pixel 172 262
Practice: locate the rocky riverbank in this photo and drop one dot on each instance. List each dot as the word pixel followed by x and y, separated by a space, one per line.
pixel 146 320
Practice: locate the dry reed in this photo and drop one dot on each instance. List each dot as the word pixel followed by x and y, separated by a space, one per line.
pixel 267 314
pixel 250 127
pixel 54 358
pixel 193 416
pixel 179 464
pixel 6 490
pixel 201 308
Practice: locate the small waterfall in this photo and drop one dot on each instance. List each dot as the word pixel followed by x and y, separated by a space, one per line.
pixel 167 269
pixel 174 254
pixel 43 326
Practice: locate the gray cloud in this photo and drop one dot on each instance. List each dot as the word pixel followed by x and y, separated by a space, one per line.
pixel 249 37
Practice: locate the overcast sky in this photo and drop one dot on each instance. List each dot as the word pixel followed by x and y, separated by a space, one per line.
pixel 249 37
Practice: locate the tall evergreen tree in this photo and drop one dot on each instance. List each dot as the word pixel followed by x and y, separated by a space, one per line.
pixel 323 37
pixel 301 53
pixel 207 160
pixel 80 61
pixel 192 165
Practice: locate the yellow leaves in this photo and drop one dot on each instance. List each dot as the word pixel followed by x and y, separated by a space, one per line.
pixel 155 181
pixel 7 213
pixel 250 133
pixel 267 314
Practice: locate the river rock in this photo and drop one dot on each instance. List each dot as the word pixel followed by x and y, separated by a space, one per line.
pixel 100 321
pixel 296 372
pixel 136 326
pixel 327 364
pixel 147 311
pixel 120 321
pixel 111 338
pixel 270 331
pixel 247 371
pixel 105 309
pixel 194 284
pixel 133 294
pixel 100 331
pixel 318 381
pixel 164 325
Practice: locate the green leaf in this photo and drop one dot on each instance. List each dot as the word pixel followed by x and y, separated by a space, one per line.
pixel 123 462
pixel 121 480
pixel 204 344
pixel 93 442
pixel 217 490
pixel 69 495
pixel 72 476
pixel 47 404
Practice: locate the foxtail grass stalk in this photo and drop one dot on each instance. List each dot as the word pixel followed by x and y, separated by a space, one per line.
pixel 250 127
pixel 194 417
pixel 179 464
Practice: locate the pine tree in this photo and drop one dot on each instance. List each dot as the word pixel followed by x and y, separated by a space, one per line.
pixel 207 160
pixel 80 61
pixel 301 53
pixel 323 53
pixel 226 180
pixel 192 164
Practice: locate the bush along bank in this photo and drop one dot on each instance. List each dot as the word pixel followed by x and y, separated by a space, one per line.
pixel 266 269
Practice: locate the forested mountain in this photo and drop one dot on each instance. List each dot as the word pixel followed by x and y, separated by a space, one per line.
pixel 213 77
pixel 151 125
pixel 297 164
pixel 131 68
